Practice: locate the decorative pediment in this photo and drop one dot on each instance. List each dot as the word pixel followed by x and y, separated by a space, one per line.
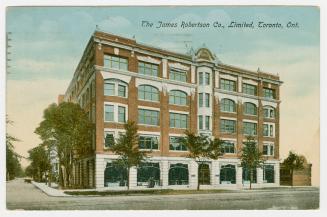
pixel 205 54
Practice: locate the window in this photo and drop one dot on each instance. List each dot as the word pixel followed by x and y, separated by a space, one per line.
pixel 228 147
pixel 207 78
pixel 115 175
pixel 148 69
pixel 109 89
pixel 121 90
pixel 207 100
pixel 177 75
pixel 268 130
pixel 269 93
pixel 177 97
pixel 249 128
pixel 109 139
pixel 149 142
pixel 249 89
pixel 200 122
pixel 269 112
pixel 200 78
pixel 250 109
pixel 175 145
pixel 268 174
pixel 147 92
pixel 115 87
pixel 246 175
pixel 227 85
pixel 268 149
pixel 177 120
pixel 207 123
pixel 178 174
pixel 115 62
pixel 148 117
pixel 200 99
pixel 109 113
pixel 148 174
pixel 121 114
pixel 227 126
pixel 227 105
pixel 228 174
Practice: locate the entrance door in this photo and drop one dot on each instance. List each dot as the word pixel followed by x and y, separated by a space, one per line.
pixel 204 174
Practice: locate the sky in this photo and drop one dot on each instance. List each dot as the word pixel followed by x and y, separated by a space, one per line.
pixel 47 44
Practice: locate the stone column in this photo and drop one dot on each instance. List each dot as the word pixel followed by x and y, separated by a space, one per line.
pixel 277 175
pixel 215 173
pixel 239 172
pixel 99 172
pixel 259 177
pixel 193 174
pixel 164 173
pixel 133 177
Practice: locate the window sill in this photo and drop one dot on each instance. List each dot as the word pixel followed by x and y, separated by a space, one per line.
pixel 155 150
pixel 144 100
pixel 125 97
pixel 177 151
pixel 148 125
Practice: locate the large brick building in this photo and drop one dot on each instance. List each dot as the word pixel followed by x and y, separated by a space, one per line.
pixel 165 93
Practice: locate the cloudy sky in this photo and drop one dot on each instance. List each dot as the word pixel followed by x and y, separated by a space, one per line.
pixel 47 44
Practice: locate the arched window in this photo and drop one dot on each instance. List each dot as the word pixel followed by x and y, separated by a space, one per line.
pixel 177 97
pixel 115 87
pixel 228 174
pixel 178 174
pixel 227 105
pixel 147 92
pixel 115 175
pixel 269 112
pixel 250 108
pixel 148 174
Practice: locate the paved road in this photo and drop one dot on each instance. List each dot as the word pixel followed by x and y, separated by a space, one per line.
pixel 25 196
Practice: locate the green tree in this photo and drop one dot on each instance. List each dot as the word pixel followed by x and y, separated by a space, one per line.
pixel 201 148
pixel 251 157
pixel 128 149
pixel 40 163
pixel 13 166
pixel 293 162
pixel 67 129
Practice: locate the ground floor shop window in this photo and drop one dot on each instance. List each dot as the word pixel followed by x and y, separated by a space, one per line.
pixel 268 174
pixel 178 174
pixel 148 174
pixel 246 175
pixel 228 174
pixel 115 175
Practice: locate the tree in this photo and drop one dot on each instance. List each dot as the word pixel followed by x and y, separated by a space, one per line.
pixel 293 162
pixel 251 157
pixel 40 163
pixel 128 149
pixel 13 166
pixel 67 129
pixel 201 148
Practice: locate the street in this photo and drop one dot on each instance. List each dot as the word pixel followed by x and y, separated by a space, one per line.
pixel 24 196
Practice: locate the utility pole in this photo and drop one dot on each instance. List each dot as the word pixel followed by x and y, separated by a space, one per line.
pixel 8 53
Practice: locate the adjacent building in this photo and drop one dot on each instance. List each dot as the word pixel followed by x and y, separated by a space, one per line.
pixel 165 93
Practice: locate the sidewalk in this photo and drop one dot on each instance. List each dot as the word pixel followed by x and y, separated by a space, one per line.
pixel 50 191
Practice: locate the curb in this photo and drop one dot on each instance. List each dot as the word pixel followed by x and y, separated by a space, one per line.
pixel 50 191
